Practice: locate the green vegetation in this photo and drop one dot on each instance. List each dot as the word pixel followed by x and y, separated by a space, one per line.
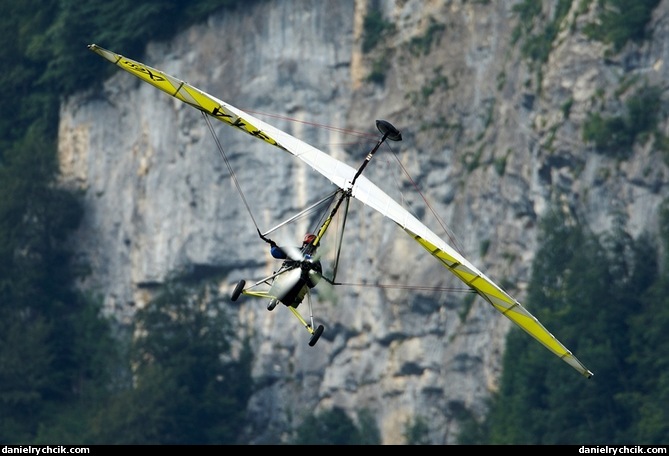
pixel 484 246
pixel 622 21
pixel 378 73
pixel 618 22
pixel 423 44
pixel 59 356
pixel 467 304
pixel 335 427
pixel 46 327
pixel 501 80
pixel 417 431
pixel 500 162
pixel 605 298
pixel 615 136
pixel 472 160
pixel 438 83
pixel 186 387
pixel 375 30
pixel 566 108
pixel 538 39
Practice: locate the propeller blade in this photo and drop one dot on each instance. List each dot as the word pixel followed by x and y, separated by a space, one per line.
pixel 293 253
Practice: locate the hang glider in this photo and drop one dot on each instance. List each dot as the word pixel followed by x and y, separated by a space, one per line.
pixel 350 180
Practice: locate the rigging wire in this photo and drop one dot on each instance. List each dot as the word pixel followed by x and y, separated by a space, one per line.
pixel 427 203
pixel 439 220
pixel 303 213
pixel 347 131
pixel 298 216
pixel 232 172
pixel 311 208
pixel 406 287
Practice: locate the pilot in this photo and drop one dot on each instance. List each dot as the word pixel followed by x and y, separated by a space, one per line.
pixel 311 269
pixel 278 253
pixel 315 269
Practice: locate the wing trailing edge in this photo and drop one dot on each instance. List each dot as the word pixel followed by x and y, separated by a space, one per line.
pixel 364 190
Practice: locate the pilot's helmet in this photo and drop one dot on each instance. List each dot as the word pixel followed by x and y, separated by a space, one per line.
pixel 309 238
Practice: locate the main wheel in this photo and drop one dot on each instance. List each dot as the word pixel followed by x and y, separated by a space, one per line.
pixel 238 290
pixel 316 335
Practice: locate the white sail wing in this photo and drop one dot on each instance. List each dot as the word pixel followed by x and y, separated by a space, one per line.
pixel 364 190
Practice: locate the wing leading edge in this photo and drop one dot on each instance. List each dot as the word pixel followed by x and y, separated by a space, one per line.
pixel 364 190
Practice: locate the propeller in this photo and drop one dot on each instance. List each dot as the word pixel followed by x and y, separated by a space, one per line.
pixel 305 261
pixel 299 267
pixel 294 253
pixel 302 264
pixel 297 254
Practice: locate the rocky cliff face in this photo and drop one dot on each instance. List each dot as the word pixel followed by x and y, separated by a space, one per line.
pixel 487 138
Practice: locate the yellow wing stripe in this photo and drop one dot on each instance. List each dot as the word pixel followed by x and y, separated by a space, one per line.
pixel 504 303
pixel 183 91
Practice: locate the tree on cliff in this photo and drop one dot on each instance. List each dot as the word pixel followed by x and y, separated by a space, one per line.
pixel 187 386
pixel 607 297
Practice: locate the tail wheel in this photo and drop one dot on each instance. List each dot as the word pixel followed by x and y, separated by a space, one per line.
pixel 316 335
pixel 238 290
